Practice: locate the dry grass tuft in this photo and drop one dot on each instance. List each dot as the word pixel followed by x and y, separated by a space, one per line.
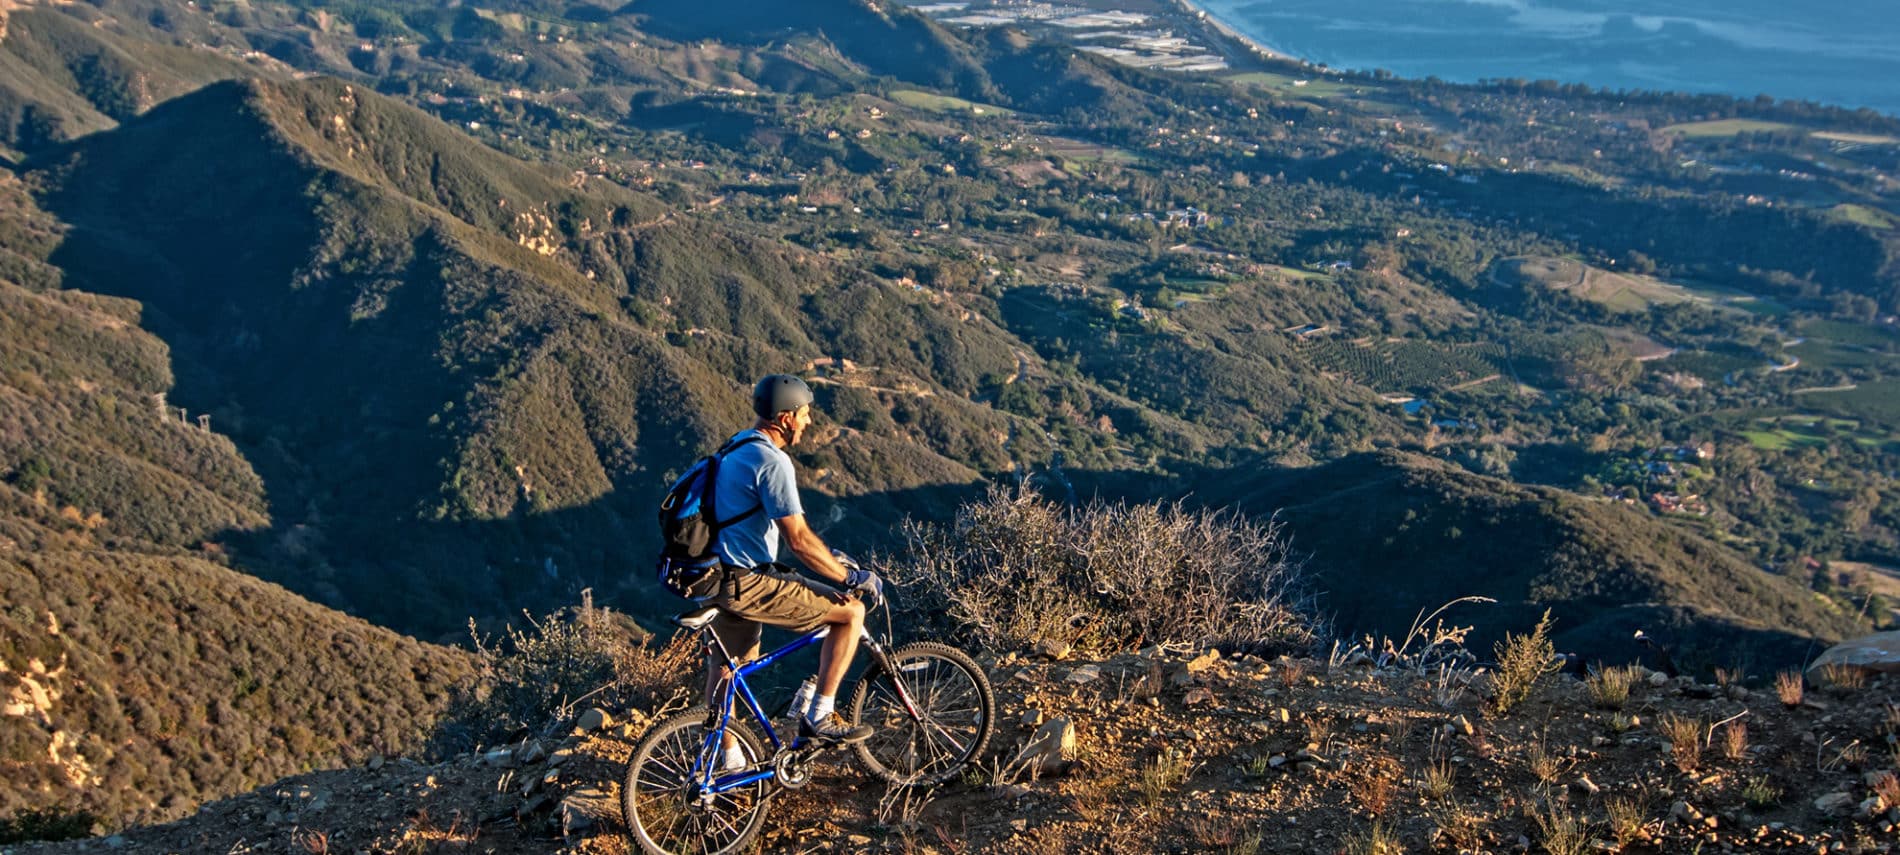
pixel 1610 687
pixel 1627 820
pixel 1163 775
pixel 313 842
pixel 1684 734
pixel 1227 836
pixel 1561 830
pixel 424 835
pixel 1439 776
pixel 1375 840
pixel 1523 661
pixel 1544 763
pixel 1887 787
pixel 1842 678
pixel 1735 741
pixel 1292 672
pixel 1788 688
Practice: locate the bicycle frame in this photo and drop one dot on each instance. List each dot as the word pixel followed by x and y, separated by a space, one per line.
pixel 706 766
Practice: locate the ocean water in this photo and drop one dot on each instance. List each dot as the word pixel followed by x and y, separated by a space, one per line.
pixel 1844 52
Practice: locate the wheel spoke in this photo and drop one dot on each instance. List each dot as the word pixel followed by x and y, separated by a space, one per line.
pixel 663 814
pixel 948 728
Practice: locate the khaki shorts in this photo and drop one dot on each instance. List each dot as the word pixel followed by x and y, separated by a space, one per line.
pixel 769 594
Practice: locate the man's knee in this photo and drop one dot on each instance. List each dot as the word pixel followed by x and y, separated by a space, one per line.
pixel 848 613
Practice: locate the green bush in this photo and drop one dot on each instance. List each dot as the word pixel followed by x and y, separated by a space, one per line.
pixel 47 825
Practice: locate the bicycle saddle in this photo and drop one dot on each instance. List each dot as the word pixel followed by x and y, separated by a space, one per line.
pixel 697 618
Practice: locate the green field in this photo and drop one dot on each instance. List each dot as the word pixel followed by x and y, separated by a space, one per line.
pixel 1817 355
pixel 1727 128
pixel 1077 153
pixel 946 103
pixel 1406 364
pixel 1713 365
pixel 1852 334
pixel 1284 84
pixel 1780 433
pixel 1875 404
pixel 1873 218
pixel 1623 292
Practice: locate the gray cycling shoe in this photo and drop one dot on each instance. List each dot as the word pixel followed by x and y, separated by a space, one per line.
pixel 834 730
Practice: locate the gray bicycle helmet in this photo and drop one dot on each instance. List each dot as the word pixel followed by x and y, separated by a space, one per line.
pixel 778 393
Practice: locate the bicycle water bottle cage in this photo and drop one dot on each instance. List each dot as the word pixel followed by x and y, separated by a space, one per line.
pixel 697 619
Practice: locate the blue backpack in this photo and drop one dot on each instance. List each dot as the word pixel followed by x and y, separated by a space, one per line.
pixel 689 529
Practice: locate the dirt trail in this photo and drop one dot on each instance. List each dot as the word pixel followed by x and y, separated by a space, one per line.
pixel 1190 753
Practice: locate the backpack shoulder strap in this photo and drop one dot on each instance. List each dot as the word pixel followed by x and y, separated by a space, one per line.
pixel 712 483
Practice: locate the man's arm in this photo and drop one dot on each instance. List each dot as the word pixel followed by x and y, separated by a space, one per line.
pixel 810 548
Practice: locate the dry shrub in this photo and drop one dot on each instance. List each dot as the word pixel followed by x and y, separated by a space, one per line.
pixel 1684 734
pixel 1373 787
pixel 537 678
pixel 1788 688
pixel 1610 687
pixel 1012 569
pixel 1523 660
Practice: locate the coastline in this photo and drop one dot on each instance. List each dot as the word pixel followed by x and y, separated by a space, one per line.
pixel 1228 31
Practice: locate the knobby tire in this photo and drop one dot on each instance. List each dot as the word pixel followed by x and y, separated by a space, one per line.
pixel 958 707
pixel 653 799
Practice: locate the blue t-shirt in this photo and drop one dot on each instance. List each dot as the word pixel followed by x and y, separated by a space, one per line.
pixel 754 474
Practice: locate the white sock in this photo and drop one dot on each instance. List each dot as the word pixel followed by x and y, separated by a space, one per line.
pixel 735 758
pixel 820 707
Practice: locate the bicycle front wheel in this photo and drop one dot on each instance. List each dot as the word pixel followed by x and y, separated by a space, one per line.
pixel 665 804
pixel 946 726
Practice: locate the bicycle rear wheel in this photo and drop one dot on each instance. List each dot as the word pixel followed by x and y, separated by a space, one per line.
pixel 955 713
pixel 660 798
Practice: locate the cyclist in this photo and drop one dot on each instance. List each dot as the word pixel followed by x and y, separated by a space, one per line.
pixel 757 483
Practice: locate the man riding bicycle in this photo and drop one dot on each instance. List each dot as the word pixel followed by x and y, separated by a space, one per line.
pixel 757 485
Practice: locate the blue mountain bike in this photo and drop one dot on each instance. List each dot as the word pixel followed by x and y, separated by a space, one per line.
pixel 929 705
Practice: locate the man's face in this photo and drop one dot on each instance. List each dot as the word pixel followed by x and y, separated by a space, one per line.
pixel 794 424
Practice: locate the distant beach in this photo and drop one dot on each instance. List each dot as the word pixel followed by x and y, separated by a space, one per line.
pixel 1227 30
pixel 1841 52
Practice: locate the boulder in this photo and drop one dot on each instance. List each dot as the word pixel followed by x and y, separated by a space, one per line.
pixel 1203 662
pixel 594 719
pixel 586 809
pixel 1051 649
pixel 1878 652
pixel 1051 749
pixel 1833 802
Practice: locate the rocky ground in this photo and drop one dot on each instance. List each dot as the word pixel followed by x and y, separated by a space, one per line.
pixel 1180 752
